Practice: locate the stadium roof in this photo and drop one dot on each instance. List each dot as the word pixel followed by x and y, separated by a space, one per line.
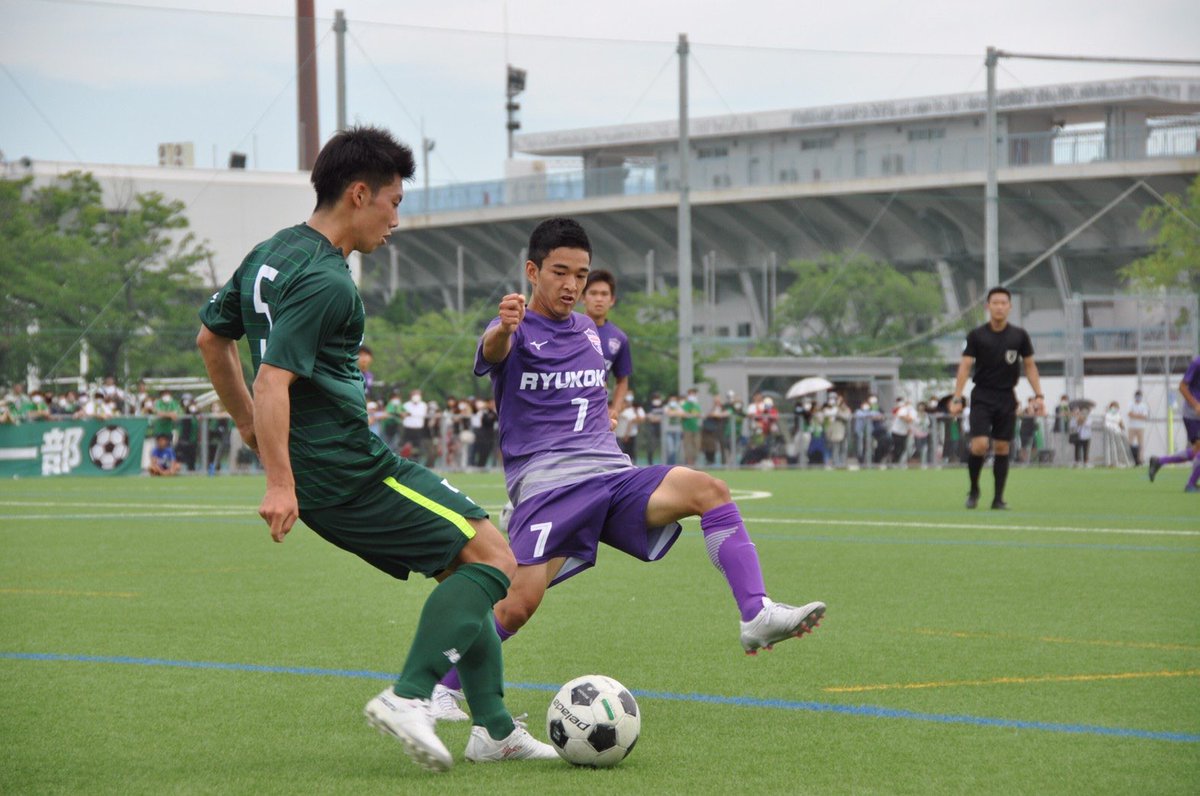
pixel 1070 102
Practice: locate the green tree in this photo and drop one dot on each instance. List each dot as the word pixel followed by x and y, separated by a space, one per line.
pixel 651 321
pixel 75 270
pixel 435 352
pixel 1175 262
pixel 847 305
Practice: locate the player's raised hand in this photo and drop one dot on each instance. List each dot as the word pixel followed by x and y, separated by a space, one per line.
pixel 512 311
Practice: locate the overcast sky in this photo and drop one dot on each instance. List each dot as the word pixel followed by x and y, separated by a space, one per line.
pixel 106 82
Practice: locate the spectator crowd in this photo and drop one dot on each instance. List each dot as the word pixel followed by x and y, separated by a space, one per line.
pixel 457 434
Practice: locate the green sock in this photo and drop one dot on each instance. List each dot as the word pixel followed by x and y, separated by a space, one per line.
pixel 481 670
pixel 455 613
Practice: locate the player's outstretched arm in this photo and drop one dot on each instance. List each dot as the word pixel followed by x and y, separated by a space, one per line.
pixel 272 425
pixel 497 341
pixel 225 372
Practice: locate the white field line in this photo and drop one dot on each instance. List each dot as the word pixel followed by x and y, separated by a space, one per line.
pixel 124 515
pixel 201 510
pixel 968 526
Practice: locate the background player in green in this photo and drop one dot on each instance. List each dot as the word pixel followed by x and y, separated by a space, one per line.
pixel 994 350
pixel 294 300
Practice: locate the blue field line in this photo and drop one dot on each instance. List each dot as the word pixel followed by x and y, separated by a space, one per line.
pixel 869 711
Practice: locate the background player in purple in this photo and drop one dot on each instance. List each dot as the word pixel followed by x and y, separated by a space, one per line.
pixel 571 485
pixel 1189 388
pixel 599 297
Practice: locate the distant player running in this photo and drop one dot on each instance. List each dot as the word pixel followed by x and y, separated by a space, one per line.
pixel 571 485
pixel 293 299
pixel 1189 388
pixel 994 349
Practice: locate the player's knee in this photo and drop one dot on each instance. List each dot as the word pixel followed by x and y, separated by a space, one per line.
pixel 709 493
pixel 1001 448
pixel 513 612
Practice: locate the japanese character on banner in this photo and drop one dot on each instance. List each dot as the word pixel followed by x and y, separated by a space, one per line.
pixel 61 450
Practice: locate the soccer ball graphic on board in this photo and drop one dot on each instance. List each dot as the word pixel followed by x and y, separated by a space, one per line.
pixel 109 448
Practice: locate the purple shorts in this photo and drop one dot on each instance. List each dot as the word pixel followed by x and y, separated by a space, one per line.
pixel 570 521
pixel 1192 427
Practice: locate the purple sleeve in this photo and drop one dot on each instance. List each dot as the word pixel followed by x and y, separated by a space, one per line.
pixel 623 365
pixel 482 366
pixel 1192 377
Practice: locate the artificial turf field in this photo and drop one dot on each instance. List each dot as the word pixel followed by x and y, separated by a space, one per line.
pixel 153 640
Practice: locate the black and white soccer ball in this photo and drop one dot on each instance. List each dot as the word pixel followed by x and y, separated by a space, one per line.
pixel 109 447
pixel 593 721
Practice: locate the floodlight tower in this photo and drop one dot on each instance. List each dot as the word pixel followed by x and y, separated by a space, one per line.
pixel 516 85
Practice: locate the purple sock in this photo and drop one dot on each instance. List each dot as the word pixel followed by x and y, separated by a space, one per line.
pixel 1192 482
pixel 451 679
pixel 732 552
pixel 1176 458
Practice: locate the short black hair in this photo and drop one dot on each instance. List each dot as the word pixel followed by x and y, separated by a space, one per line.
pixel 999 289
pixel 557 233
pixel 369 154
pixel 602 275
pixel 362 349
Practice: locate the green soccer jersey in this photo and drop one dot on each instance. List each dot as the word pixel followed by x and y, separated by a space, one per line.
pixel 165 425
pixel 293 299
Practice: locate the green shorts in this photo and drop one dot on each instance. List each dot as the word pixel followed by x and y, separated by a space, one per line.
pixel 413 521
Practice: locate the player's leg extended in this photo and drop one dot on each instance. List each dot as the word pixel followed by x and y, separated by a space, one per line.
pixel 1193 484
pixel 684 493
pixel 458 610
pixel 525 594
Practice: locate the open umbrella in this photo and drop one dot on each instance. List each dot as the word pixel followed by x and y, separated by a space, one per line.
pixel 813 384
pixel 1082 403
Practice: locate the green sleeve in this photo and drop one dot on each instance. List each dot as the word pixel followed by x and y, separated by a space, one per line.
pixel 223 312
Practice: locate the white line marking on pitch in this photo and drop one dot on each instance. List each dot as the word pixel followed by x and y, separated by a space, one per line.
pixel 974 527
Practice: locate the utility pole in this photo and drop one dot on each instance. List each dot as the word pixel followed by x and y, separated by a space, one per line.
pixel 684 244
pixel 339 28
pixel 991 193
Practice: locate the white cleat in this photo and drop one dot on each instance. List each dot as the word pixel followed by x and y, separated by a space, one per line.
pixel 519 745
pixel 776 622
pixel 411 722
pixel 446 704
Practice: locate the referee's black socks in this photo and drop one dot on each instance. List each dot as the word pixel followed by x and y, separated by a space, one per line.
pixel 1000 470
pixel 974 467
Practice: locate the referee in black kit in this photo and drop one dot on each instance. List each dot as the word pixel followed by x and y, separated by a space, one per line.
pixel 994 349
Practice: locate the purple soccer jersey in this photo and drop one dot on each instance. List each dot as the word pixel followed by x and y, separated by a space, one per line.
pixel 551 392
pixel 615 345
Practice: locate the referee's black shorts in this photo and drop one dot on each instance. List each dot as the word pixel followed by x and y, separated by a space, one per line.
pixel 993 414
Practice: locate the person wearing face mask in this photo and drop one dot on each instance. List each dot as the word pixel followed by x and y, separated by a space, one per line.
pixel 413 413
pixel 652 434
pixel 166 412
pixel 484 425
pixel 690 423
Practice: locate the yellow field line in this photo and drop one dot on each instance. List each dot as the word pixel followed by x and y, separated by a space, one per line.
pixel 1144 645
pixel 1050 678
pixel 69 593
